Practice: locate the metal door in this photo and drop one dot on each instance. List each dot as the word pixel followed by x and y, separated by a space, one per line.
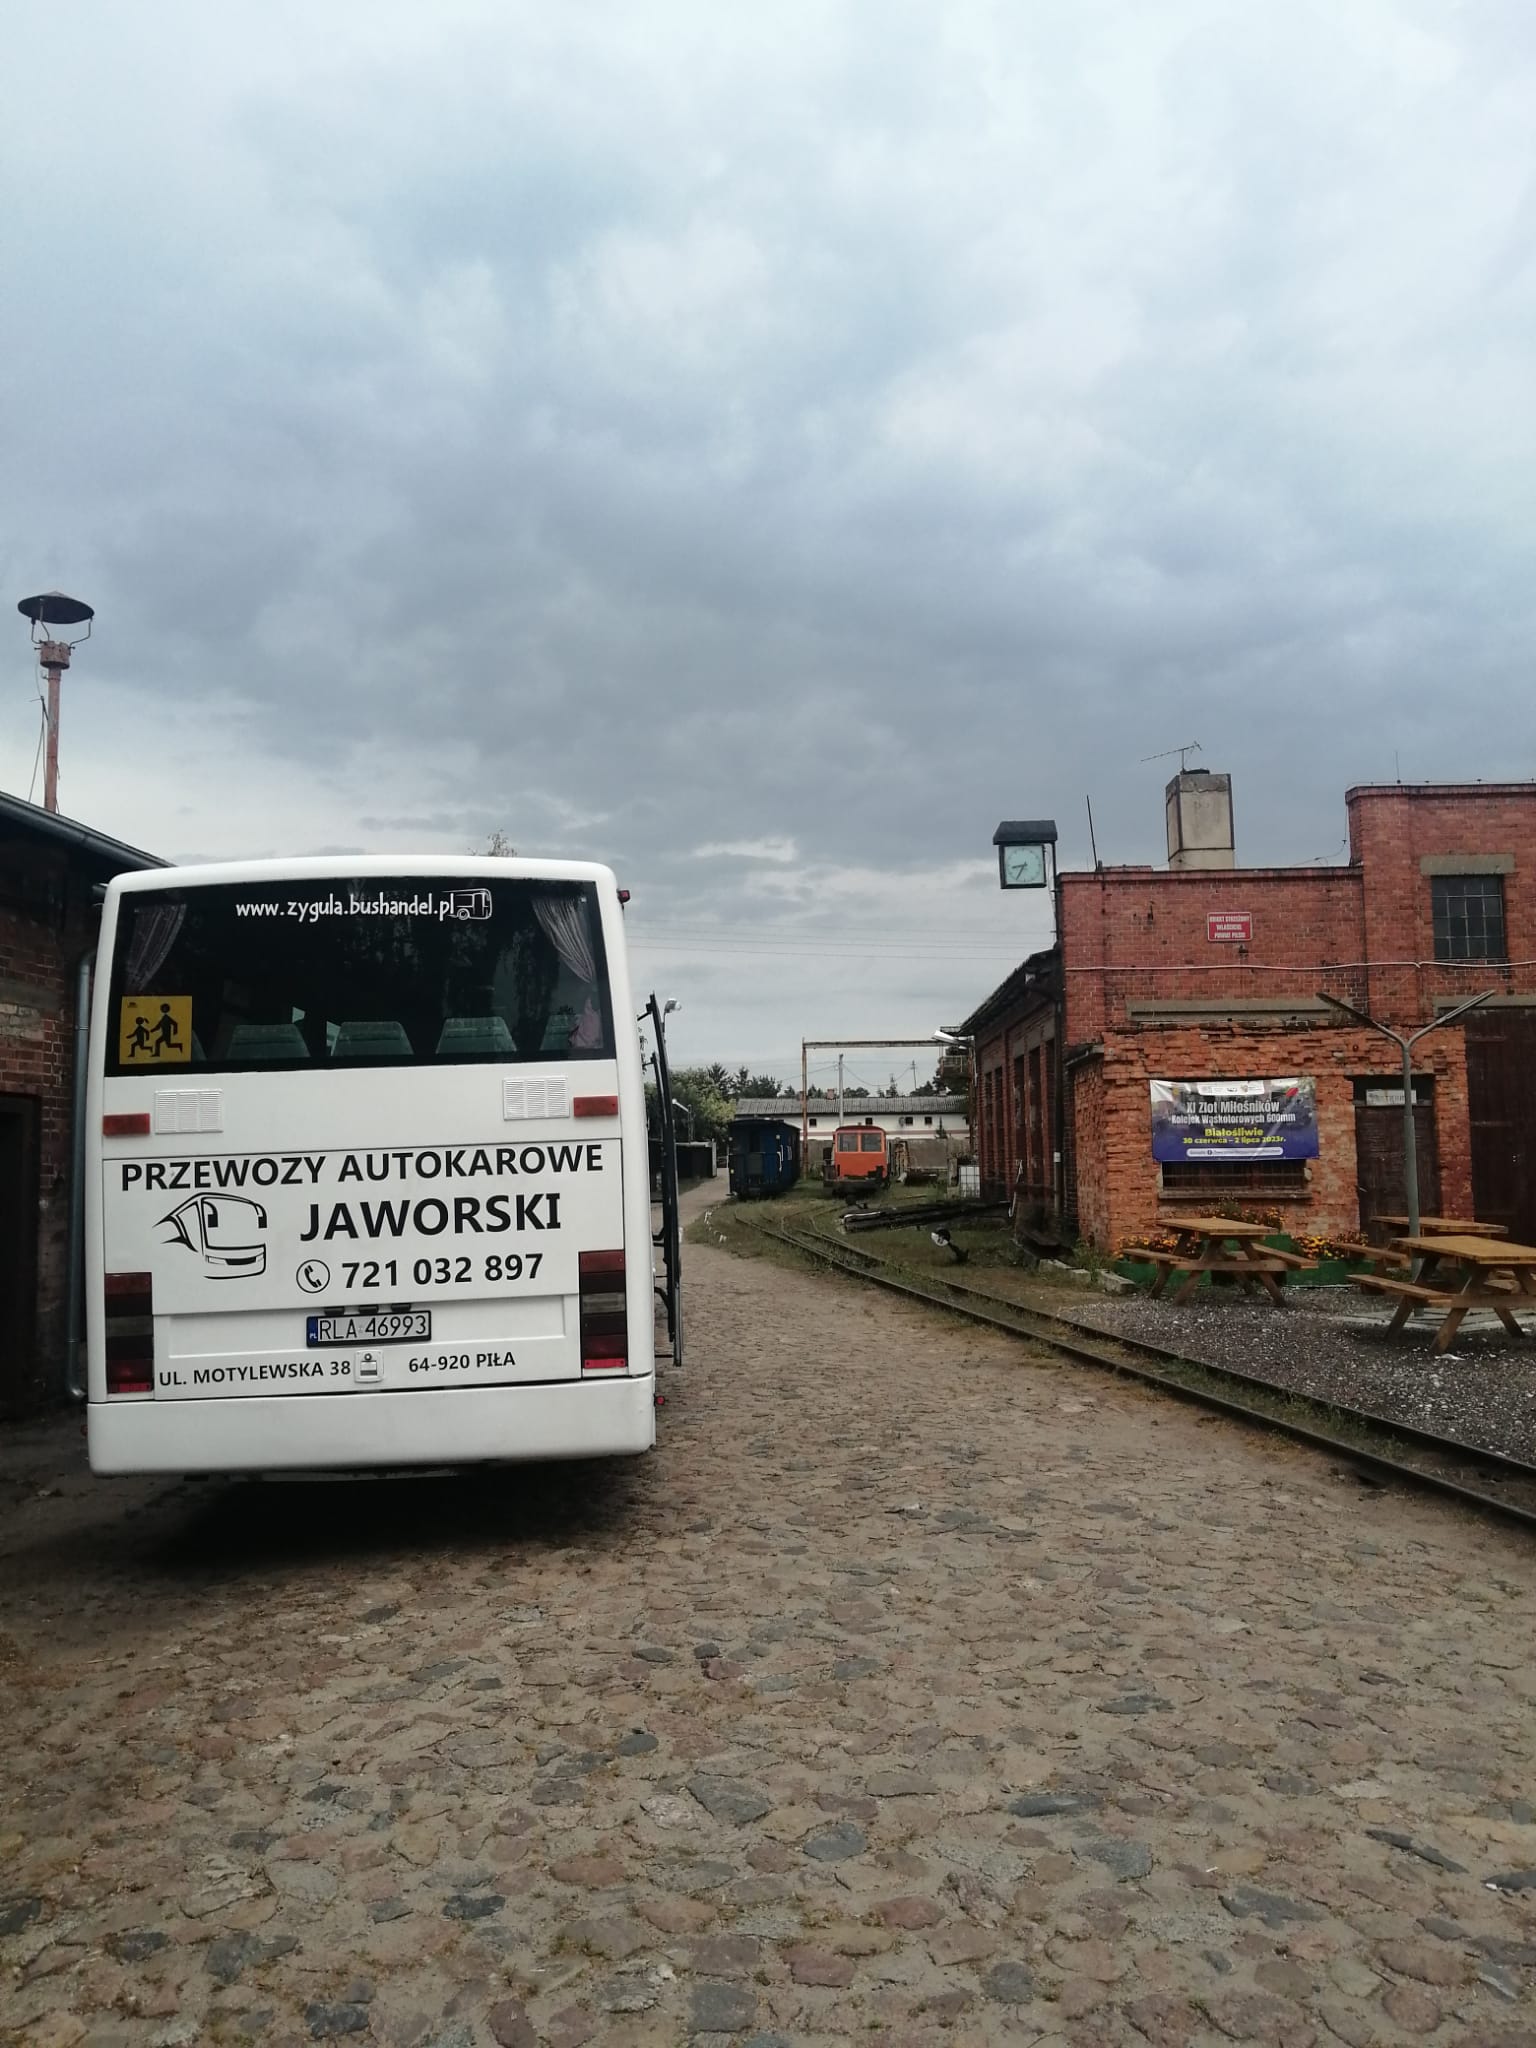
pixel 1379 1151
pixel 1501 1107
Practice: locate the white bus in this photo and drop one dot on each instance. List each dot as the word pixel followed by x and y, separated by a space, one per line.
pixel 366 1169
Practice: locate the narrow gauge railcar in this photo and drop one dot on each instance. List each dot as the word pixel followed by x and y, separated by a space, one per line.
pixel 764 1156
pixel 859 1160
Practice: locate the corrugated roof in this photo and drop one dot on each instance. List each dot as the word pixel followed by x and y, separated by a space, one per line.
pixel 854 1106
pixel 1034 976
pixel 69 832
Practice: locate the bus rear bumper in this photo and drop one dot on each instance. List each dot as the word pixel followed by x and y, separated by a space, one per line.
pixel 341 1432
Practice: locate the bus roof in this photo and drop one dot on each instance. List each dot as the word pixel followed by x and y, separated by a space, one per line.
pixel 316 867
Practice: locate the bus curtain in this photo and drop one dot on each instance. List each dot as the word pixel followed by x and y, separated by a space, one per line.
pixel 564 922
pixel 154 933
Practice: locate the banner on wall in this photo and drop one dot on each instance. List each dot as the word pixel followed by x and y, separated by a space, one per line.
pixel 1195 1120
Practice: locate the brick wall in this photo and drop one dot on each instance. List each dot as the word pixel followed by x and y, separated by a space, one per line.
pixel 1090 1151
pixel 1392 831
pixel 1134 937
pixel 1009 1101
pixel 1150 994
pixel 1146 983
pixel 1119 1198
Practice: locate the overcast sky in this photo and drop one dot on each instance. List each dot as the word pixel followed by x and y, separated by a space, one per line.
pixel 763 448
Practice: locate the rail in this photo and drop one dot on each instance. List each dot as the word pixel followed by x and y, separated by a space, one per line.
pixel 1444 1465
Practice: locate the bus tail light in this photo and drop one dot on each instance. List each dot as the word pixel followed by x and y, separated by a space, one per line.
pixel 126 1123
pixel 595 1105
pixel 130 1332
pixel 604 1313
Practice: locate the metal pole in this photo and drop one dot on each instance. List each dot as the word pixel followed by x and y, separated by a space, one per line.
pixel 1058 1062
pixel 839 1087
pixel 1406 1045
pixel 1410 1141
pixel 805 1115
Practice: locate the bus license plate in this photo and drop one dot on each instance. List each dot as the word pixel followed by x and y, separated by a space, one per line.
pixel 402 1326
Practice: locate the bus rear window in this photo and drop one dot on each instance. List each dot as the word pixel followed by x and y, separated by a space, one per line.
pixel 398 971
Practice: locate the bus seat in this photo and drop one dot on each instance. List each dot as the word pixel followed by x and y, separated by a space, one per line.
pixel 475 1034
pixel 378 1039
pixel 267 1042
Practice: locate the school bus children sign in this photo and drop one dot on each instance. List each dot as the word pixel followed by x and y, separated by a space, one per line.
pixel 155 1031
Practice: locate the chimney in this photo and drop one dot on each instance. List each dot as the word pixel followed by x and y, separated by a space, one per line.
pixel 1199 806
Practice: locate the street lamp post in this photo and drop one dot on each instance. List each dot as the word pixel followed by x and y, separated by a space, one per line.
pixel 1026 859
pixel 1405 1042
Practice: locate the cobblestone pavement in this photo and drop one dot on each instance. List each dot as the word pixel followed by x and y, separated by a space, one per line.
pixel 912 1692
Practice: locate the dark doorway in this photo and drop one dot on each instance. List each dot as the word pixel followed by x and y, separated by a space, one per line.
pixel 1501 1107
pixel 18 1250
pixel 1039 1188
pixel 1379 1150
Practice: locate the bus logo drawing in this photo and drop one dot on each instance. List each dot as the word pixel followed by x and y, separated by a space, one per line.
pixel 219 1229
pixel 155 1031
pixel 466 904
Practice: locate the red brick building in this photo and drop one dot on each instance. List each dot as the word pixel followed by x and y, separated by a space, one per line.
pixel 50 870
pixel 1206 972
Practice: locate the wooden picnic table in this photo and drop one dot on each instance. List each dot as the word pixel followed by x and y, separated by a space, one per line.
pixel 1388 1258
pixel 1491 1274
pixel 1443 1226
pixel 1226 1250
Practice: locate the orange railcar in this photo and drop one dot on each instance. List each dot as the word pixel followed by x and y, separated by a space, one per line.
pixel 859 1160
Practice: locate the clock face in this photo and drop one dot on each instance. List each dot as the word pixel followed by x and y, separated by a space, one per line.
pixel 1024 867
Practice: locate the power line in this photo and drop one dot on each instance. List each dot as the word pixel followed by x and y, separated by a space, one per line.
pixel 831 934
pixel 41 732
pixel 801 948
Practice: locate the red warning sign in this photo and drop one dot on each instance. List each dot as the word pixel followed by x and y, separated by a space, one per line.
pixel 1229 927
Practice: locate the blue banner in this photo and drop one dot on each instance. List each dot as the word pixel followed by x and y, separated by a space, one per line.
pixel 1199 1120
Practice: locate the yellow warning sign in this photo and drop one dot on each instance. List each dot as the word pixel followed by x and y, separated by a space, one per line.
pixel 155 1031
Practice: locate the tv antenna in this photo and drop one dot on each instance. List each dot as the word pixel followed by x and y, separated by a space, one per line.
pixel 1168 753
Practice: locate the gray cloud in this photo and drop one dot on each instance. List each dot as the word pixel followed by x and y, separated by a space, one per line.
pixel 656 430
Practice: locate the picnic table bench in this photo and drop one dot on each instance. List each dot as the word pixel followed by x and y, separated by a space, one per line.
pixel 1390 1258
pixel 1226 1250
pixel 1439 1226
pixel 1457 1274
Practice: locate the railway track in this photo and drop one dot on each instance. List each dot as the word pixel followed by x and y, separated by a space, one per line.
pixel 1379 1447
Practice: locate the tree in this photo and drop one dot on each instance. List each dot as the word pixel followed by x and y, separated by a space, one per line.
pixel 708 1111
pixel 497 844
pixel 719 1079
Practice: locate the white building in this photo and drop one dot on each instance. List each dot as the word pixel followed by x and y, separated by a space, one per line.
pixel 936 1117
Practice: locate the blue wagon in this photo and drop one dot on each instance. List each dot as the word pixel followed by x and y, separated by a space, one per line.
pixel 765 1155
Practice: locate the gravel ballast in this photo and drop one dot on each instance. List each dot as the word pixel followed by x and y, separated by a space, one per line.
pixel 1330 1344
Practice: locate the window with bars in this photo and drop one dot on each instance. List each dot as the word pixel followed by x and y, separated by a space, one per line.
pixel 1199 1179
pixel 1469 917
